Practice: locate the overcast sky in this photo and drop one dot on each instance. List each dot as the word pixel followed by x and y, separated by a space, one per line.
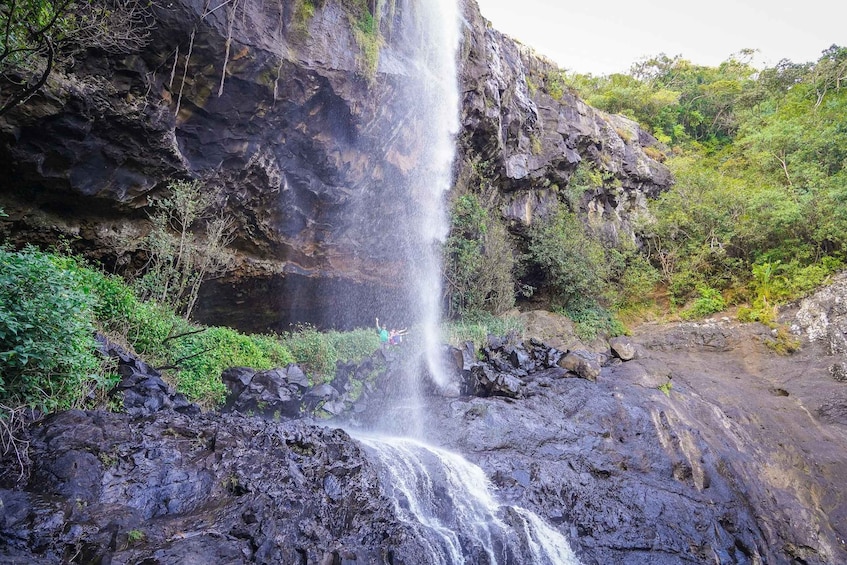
pixel 607 36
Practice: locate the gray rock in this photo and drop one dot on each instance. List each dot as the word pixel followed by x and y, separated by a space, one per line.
pixel 583 363
pixel 622 347
pixel 323 391
pixel 296 376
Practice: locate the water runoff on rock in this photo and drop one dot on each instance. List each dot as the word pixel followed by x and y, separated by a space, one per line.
pixel 448 503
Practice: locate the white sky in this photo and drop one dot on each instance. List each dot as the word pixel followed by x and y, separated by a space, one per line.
pixel 607 36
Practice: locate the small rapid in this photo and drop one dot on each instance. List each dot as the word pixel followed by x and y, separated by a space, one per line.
pixel 449 504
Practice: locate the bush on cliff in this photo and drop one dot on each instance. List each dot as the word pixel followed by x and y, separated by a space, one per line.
pixel 479 263
pixel 47 354
pixel 573 263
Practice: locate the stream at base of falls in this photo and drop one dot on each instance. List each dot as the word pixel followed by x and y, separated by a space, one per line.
pixel 450 505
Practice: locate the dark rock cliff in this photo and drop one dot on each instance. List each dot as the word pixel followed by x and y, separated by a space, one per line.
pixel 305 144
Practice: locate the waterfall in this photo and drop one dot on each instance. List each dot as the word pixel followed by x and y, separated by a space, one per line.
pixel 448 503
pixel 425 109
pixel 437 97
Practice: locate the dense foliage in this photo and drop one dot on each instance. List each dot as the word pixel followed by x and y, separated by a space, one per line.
pixel 52 304
pixel 47 358
pixel 479 260
pixel 761 187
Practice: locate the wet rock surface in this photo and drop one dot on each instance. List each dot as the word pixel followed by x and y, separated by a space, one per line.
pixel 707 447
pixel 196 489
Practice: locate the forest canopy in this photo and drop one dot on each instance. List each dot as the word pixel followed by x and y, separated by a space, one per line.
pixel 760 159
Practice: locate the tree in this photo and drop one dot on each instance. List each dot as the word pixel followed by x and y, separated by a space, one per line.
pixel 830 72
pixel 37 36
pixel 186 246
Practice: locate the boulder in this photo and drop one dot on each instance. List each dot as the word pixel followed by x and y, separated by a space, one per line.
pixel 582 363
pixel 141 390
pixel 622 347
pixel 268 393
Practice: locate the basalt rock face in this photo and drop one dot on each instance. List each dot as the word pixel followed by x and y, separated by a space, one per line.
pixel 307 151
pixel 530 133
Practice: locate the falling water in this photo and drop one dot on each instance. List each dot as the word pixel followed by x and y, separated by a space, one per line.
pixel 436 98
pixel 445 500
pixel 448 503
pixel 424 120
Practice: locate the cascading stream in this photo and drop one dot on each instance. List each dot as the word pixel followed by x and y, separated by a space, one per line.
pixel 448 503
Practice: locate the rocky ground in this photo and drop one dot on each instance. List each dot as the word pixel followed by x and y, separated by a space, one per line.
pixel 740 460
pixel 706 446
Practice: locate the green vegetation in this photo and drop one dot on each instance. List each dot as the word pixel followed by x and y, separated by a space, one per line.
pixel 709 302
pixel 756 216
pixel 135 536
pixel 365 25
pixel 479 260
pixel 51 304
pixel 319 352
pixel 590 322
pixel 304 11
pixel 180 259
pixel 478 328
pixel 47 358
pixel 572 262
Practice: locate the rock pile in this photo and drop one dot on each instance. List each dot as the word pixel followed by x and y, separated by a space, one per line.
pixel 507 366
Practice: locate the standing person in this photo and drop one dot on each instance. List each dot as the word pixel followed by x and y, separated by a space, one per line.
pixel 383 334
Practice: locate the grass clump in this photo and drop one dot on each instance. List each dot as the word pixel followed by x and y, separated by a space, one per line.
pixel 319 352
pixel 202 357
pixel 478 328
pixel 709 302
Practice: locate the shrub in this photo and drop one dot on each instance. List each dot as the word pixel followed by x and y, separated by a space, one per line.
pixel 593 321
pixel 709 302
pixel 47 349
pixel 180 260
pixel 573 263
pixel 313 350
pixel 637 281
pixel 354 346
pixel 200 359
pixel 479 260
